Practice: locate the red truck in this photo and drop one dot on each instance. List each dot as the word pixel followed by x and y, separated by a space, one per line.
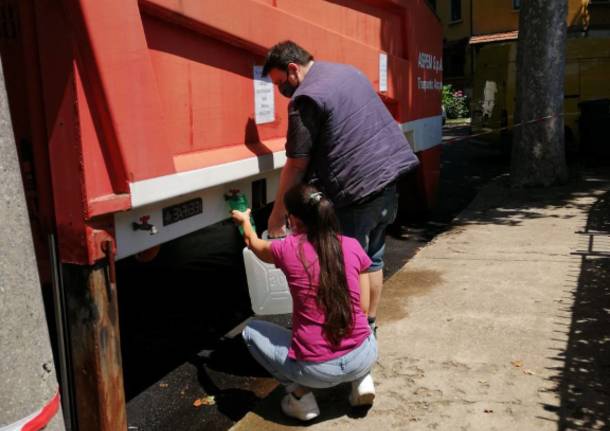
pixel 133 119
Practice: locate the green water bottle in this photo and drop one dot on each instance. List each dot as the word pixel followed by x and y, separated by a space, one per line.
pixel 238 201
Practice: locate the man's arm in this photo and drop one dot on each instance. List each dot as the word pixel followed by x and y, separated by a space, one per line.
pixel 304 120
pixel 292 173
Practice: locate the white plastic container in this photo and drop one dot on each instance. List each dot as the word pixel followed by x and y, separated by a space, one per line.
pixel 267 285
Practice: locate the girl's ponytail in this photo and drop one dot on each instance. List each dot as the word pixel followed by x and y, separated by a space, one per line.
pixel 318 215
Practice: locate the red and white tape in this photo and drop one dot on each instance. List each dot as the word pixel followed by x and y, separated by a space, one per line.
pixel 37 420
pixel 500 129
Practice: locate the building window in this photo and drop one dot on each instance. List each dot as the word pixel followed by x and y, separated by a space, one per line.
pixel 456 10
pixel 516 4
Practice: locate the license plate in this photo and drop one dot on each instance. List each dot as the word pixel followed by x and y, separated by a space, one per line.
pixel 181 211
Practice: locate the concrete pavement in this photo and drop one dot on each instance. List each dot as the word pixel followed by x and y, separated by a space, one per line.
pixel 499 323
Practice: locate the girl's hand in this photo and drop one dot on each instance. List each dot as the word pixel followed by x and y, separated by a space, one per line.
pixel 240 217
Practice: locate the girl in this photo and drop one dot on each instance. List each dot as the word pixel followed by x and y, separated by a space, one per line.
pixel 330 342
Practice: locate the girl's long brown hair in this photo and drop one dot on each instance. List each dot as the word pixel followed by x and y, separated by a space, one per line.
pixel 318 215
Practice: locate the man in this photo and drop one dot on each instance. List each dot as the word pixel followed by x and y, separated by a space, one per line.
pixel 342 138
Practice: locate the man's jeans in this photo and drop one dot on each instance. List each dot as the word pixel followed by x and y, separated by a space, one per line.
pixel 367 222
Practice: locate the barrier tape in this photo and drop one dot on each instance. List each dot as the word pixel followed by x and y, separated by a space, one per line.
pixel 502 129
pixel 37 420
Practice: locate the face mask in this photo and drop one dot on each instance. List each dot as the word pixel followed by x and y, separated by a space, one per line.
pixel 287 89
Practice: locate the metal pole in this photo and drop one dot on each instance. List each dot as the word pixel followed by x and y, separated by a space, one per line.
pixel 61 327
pixel 29 384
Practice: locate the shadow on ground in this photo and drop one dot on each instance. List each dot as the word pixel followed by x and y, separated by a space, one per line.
pixel 465 168
pixel 179 304
pixel 174 311
pixel 525 204
pixel 583 382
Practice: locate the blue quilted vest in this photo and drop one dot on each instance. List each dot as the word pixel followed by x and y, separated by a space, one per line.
pixel 360 148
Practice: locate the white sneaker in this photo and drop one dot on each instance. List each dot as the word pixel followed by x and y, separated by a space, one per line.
pixel 304 409
pixel 363 391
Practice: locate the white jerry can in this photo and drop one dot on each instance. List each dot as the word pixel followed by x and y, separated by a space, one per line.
pixel 269 293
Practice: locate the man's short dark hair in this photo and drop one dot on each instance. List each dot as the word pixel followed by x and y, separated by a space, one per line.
pixel 283 53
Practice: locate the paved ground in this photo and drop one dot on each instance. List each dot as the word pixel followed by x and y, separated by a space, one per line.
pixel 500 323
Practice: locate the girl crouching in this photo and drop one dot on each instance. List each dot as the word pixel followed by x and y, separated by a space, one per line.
pixel 330 342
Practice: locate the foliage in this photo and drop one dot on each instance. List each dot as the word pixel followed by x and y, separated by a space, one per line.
pixel 456 103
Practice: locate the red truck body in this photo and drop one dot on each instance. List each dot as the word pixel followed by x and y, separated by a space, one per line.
pixel 133 119
pixel 125 111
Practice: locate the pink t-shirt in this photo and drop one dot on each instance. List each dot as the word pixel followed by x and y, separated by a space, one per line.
pixel 308 341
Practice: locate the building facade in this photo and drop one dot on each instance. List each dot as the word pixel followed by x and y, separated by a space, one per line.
pixel 471 24
pixel 456 16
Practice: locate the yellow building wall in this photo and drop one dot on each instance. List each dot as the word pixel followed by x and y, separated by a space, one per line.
pixel 586 78
pixel 494 16
pixel 498 16
pixel 481 17
pixel 454 30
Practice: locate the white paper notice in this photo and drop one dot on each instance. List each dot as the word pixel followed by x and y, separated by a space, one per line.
pixel 264 101
pixel 383 71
